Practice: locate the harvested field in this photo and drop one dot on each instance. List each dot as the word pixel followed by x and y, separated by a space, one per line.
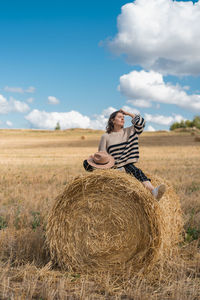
pixel 36 166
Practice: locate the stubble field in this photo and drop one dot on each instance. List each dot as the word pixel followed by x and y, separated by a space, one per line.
pixel 36 166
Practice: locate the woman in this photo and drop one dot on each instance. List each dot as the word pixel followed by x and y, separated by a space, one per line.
pixel 122 144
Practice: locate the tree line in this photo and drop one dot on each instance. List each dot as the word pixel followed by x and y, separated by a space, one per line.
pixel 187 124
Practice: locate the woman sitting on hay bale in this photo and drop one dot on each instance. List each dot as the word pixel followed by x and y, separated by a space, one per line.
pixel 119 148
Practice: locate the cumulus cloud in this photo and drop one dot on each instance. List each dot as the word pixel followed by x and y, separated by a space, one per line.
pixel 53 100
pixel 150 128
pixel 30 100
pixel 150 86
pixel 74 119
pixel 160 35
pixel 18 106
pixel 108 111
pixel 8 123
pixel 13 89
pixel 140 103
pixel 48 120
pixel 71 119
pixel 163 120
pixel 12 105
pixel 19 90
pixel 31 89
pixel 130 109
pixel 99 122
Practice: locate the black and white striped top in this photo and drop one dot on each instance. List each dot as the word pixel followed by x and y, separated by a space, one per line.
pixel 123 144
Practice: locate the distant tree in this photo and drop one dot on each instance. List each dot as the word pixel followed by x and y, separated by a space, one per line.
pixel 57 126
pixel 174 126
pixel 182 124
pixel 187 124
pixel 196 122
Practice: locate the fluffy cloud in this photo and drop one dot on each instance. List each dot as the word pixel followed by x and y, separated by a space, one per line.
pixel 48 120
pixel 74 119
pixel 150 128
pixel 163 120
pixel 30 100
pixel 71 119
pixel 31 89
pixel 8 123
pixel 19 90
pixel 160 35
pixel 53 100
pixel 130 109
pixel 149 86
pixel 108 111
pixel 12 105
pixel 140 103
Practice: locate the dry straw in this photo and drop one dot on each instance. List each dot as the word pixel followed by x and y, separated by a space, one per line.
pixel 107 221
pixel 197 138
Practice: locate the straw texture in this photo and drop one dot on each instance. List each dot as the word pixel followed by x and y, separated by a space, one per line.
pixel 107 221
pixel 197 138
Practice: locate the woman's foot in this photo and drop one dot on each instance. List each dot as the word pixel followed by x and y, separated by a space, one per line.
pixel 159 191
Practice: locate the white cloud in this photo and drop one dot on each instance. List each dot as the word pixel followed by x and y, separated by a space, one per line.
pixel 19 90
pixel 150 86
pixel 12 105
pixel 71 119
pixel 160 35
pixel 53 100
pixel 18 106
pixel 48 120
pixel 140 103
pixel 150 128
pixel 130 109
pixel 99 122
pixel 30 100
pixel 13 89
pixel 8 123
pixel 31 89
pixel 108 111
pixel 163 120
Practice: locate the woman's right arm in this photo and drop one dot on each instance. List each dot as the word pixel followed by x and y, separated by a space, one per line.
pixel 102 144
pixel 137 121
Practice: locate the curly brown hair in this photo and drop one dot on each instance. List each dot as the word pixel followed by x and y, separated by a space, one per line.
pixel 110 125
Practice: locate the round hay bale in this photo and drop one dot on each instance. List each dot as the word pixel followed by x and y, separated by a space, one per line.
pixel 107 221
pixel 197 138
pixel 83 137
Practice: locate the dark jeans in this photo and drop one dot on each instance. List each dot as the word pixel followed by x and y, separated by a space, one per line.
pixel 129 168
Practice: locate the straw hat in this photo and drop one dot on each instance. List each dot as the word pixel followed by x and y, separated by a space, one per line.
pixel 101 160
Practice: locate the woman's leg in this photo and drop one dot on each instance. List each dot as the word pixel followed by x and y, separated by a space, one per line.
pixel 138 174
pixel 87 167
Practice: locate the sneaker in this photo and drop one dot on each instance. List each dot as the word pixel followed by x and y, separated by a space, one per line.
pixel 159 191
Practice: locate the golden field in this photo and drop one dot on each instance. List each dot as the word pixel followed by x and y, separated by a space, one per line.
pixel 36 166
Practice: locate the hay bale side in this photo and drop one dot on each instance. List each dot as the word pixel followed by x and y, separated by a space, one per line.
pixel 107 221
pixel 197 138
pixel 171 219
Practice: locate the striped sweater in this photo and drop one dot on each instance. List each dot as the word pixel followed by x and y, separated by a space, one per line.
pixel 123 144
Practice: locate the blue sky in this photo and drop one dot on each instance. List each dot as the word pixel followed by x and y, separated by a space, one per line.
pixel 76 62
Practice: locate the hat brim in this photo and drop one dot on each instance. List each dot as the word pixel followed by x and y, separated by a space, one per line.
pixel 109 165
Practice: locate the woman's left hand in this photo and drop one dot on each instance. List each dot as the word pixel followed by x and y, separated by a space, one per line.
pixel 127 113
pixel 123 112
